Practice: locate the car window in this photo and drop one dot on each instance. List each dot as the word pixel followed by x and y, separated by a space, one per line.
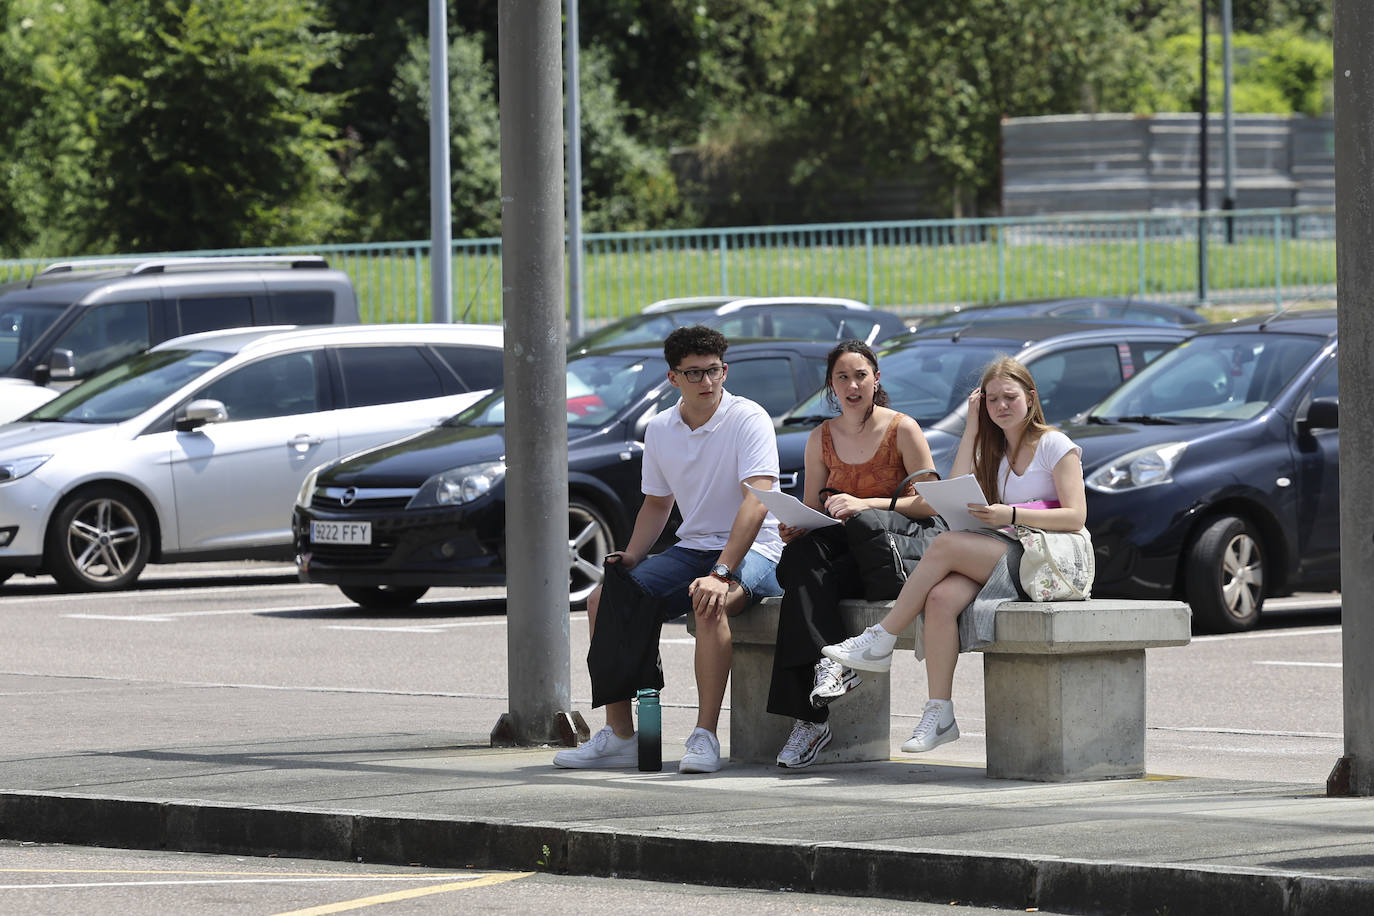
pixel 639 329
pixel 766 381
pixel 303 307
pixel 804 324
pixel 106 334
pixel 129 388
pixel 278 386
pixel 1145 316
pixel 856 329
pixel 211 313
pixel 387 375
pixel 21 324
pixel 1070 381
pixel 748 324
pixel 1329 385
pixel 478 368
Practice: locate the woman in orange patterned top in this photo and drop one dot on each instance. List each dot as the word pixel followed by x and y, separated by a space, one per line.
pixel 853 462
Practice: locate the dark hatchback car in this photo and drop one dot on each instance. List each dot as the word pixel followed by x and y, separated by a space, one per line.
pixel 738 317
pixel 929 374
pixel 1213 475
pixel 1130 310
pixel 430 510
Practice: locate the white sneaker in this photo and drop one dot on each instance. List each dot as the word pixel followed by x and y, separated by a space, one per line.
pixel 703 753
pixel 605 751
pixel 806 741
pixel 871 650
pixel 929 733
pixel 833 681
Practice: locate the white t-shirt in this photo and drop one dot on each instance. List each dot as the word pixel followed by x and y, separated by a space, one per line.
pixel 702 469
pixel 1038 481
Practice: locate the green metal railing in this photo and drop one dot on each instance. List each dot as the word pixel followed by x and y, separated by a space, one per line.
pixel 913 267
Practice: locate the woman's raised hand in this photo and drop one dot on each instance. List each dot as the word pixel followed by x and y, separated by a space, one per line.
pixel 975 401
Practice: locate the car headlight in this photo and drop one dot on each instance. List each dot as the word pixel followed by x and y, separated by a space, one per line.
pixel 13 469
pixel 1146 467
pixel 307 491
pixel 459 485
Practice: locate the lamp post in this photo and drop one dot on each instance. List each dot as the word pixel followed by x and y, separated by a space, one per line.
pixel 1202 173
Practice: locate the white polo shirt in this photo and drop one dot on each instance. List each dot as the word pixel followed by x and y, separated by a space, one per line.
pixel 702 469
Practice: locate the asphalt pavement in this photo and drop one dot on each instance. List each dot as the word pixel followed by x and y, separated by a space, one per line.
pixel 397 778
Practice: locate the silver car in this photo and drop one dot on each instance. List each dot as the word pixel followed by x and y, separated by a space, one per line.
pixel 195 449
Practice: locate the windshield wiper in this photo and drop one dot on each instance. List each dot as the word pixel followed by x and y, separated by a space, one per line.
pixel 1147 420
pixel 813 419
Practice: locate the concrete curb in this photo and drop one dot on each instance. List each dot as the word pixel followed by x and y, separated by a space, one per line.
pixel 1054 884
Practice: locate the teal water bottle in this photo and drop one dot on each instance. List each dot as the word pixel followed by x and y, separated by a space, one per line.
pixel 650 732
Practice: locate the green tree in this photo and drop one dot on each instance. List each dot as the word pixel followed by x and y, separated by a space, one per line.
pixel 208 133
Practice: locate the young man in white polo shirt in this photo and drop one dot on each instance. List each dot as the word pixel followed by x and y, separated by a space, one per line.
pixel 698 455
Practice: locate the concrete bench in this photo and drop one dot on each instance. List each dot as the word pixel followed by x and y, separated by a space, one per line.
pixel 1064 687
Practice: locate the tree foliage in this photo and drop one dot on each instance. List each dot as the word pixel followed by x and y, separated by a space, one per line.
pixel 172 124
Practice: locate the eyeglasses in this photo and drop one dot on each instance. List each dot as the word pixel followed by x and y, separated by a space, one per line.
pixel 696 375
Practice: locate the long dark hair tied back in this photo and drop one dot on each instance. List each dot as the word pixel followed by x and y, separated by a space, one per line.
pixel 880 396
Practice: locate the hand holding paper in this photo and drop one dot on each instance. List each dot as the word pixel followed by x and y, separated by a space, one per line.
pixel 951 499
pixel 792 511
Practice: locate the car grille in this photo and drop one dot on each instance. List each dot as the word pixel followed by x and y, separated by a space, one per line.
pixel 338 554
pixel 354 499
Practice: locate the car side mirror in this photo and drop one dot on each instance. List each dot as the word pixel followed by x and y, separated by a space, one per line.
pixel 200 413
pixel 61 364
pixel 1324 413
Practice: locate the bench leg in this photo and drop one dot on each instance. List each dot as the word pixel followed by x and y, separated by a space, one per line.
pixel 859 722
pixel 1059 718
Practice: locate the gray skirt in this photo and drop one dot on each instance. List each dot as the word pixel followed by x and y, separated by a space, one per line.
pixel 977 624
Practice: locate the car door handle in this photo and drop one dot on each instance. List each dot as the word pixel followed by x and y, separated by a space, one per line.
pixel 304 441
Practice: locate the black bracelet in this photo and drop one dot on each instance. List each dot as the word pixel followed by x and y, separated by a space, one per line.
pixel 1013 515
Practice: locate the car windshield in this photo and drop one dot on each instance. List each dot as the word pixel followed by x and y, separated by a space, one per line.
pixel 599 387
pixel 129 388
pixel 927 381
pixel 22 323
pixel 650 328
pixel 1212 377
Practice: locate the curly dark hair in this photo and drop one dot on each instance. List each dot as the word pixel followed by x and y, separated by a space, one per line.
pixel 880 397
pixel 695 340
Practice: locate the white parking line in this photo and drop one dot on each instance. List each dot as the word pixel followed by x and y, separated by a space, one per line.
pixel 169 616
pixel 1301 664
pixel 1271 634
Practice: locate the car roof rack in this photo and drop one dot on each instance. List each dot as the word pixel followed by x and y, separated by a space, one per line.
pixel 135 266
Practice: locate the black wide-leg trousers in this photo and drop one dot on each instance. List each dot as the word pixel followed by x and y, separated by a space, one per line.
pixel 815 572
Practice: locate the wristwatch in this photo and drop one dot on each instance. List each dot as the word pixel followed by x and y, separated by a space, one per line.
pixel 722 572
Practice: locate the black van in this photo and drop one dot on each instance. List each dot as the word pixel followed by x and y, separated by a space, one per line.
pixel 75 318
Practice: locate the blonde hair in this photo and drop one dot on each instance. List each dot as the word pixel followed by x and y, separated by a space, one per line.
pixel 991 444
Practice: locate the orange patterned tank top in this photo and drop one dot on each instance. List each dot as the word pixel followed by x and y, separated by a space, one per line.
pixel 878 476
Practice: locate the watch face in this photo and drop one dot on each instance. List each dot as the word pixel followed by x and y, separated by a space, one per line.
pixel 721 570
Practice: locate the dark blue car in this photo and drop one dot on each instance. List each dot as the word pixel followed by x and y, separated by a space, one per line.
pixel 1212 475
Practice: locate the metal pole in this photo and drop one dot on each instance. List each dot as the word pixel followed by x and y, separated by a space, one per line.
pixel 1228 200
pixel 1354 148
pixel 574 118
pixel 440 198
pixel 1202 174
pixel 530 63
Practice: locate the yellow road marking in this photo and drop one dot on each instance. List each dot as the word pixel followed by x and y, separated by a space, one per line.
pixel 405 895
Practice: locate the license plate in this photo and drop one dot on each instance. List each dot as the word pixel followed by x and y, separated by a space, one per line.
pixel 341 532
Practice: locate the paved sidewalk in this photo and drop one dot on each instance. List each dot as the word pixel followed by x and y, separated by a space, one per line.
pixel 402 778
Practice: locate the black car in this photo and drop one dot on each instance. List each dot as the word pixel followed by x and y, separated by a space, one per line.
pixel 929 375
pixel 1093 308
pixel 738 317
pixel 1213 474
pixel 433 505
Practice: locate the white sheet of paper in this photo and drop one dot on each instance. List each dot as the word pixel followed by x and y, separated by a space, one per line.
pixel 951 499
pixel 791 511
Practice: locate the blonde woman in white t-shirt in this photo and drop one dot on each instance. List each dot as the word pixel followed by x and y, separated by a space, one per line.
pixel 1014 454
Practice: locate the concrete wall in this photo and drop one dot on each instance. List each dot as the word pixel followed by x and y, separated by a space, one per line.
pixel 1090 163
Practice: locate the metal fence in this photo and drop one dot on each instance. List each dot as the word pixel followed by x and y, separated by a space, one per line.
pixel 913 267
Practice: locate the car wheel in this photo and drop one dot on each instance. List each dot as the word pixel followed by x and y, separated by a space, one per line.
pixel 1225 576
pixel 383 597
pixel 98 540
pixel 590 538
